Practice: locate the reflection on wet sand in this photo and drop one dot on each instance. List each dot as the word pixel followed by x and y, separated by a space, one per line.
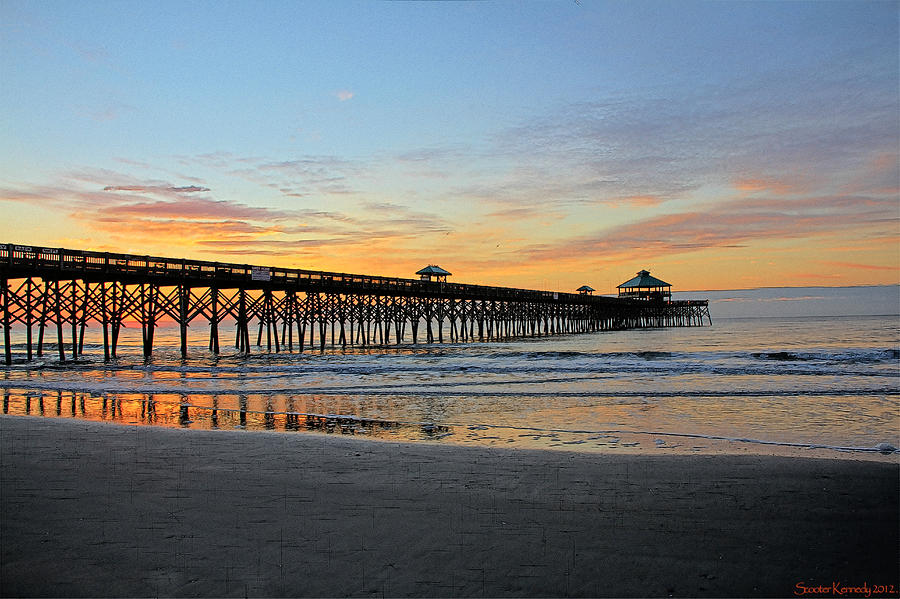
pixel 232 411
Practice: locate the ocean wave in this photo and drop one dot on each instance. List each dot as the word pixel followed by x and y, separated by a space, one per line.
pixel 109 387
pixel 860 356
pixel 776 361
pixel 479 373
pixel 578 355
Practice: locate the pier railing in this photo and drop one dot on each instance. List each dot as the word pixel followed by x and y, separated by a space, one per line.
pixel 59 263
pixel 44 286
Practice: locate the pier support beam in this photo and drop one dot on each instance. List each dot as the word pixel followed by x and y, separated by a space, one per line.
pixel 105 321
pixel 59 323
pixel 183 298
pixel 7 340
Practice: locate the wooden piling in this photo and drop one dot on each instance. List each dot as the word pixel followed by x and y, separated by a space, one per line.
pixel 105 322
pixel 214 320
pixel 29 316
pixel 7 341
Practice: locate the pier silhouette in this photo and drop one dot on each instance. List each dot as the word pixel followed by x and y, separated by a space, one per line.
pixel 64 290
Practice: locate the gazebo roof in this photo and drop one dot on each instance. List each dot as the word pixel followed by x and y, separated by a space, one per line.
pixel 585 288
pixel 433 269
pixel 643 280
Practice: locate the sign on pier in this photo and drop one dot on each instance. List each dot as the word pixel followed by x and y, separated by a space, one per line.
pixel 260 273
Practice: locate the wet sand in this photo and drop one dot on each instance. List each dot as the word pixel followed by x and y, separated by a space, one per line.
pixel 93 509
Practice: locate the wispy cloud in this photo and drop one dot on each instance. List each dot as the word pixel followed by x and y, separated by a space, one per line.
pixel 156 188
pixel 159 214
pixel 175 231
pixel 730 224
pixel 792 156
pixel 306 176
pixel 190 209
pixel 756 137
pixel 108 112
pixel 767 186
pixel 344 95
pixel 856 265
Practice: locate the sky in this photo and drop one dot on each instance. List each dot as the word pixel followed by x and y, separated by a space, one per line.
pixel 720 145
pixel 763 302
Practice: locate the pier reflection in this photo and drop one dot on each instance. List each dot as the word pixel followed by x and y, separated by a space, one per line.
pixel 214 415
pixel 269 416
pixel 220 411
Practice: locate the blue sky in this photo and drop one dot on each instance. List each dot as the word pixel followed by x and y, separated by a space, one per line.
pixel 523 143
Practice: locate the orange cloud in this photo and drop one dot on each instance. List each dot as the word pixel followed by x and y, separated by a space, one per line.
pixel 194 208
pixel 635 201
pixel 643 200
pixel 768 185
pixel 857 266
pixel 886 162
pixel 728 225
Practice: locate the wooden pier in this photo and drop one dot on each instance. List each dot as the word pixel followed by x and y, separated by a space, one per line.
pixel 60 292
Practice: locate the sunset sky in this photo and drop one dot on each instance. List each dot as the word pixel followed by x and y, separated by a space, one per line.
pixel 721 145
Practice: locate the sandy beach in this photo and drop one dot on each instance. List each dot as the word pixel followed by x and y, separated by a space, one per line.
pixel 92 509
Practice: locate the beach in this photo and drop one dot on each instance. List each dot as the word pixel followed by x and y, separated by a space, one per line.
pixel 97 509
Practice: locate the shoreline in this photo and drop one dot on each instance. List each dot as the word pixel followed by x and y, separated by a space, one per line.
pixel 93 509
pixel 175 415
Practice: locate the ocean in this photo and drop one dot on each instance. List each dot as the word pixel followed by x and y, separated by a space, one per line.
pixel 813 385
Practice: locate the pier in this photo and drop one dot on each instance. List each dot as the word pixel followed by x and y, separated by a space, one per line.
pixel 59 292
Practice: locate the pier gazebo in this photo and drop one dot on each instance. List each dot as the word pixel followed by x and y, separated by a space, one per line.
pixel 432 270
pixel 586 290
pixel 646 287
